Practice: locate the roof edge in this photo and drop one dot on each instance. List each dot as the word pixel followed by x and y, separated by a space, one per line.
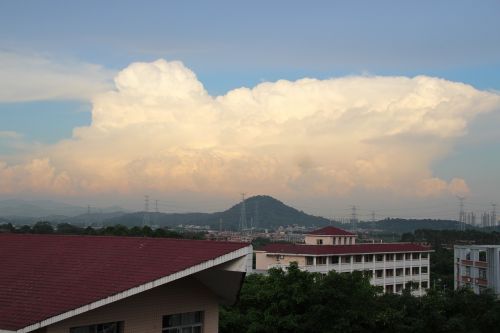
pixel 136 290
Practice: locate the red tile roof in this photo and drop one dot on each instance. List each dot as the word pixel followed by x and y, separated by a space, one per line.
pixel 42 276
pixel 343 249
pixel 331 231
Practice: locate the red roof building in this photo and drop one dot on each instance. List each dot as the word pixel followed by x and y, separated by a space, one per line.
pixel 390 265
pixel 49 281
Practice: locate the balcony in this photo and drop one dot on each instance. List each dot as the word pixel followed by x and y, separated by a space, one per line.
pixel 483 264
pixel 482 282
pixel 467 262
pixel 466 279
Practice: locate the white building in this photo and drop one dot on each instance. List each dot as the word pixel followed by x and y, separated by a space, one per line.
pixel 390 265
pixel 477 267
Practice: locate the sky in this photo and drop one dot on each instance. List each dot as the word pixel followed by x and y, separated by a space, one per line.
pixel 391 106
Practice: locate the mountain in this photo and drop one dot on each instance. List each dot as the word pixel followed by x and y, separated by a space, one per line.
pixel 261 212
pixel 26 210
pixel 398 225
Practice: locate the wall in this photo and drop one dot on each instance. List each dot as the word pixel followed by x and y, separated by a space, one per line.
pixel 263 260
pixel 143 313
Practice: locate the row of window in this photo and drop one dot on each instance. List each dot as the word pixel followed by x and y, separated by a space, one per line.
pixel 481 272
pixel 408 271
pixel 414 285
pixel 340 241
pixel 481 255
pixel 190 322
pixel 366 258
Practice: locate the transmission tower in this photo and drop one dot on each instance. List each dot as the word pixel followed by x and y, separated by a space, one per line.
pixel 243 216
pixel 146 217
pixel 354 219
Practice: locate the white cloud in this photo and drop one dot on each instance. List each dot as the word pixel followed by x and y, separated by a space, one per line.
pixel 161 131
pixel 30 77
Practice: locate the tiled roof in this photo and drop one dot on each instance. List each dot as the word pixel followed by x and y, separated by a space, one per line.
pixel 331 231
pixel 42 276
pixel 343 249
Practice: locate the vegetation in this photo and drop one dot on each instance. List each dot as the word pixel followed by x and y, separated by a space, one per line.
pixel 299 301
pixel 117 230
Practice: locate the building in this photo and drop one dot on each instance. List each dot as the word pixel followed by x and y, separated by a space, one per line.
pixel 390 265
pixel 88 284
pixel 477 267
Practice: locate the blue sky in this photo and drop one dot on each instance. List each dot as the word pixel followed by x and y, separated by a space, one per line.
pixel 231 44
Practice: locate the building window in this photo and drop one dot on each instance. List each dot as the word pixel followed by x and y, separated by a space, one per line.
pixel 389 257
pixel 346 259
pixel 482 255
pixel 319 242
pixel 425 270
pixel 358 258
pixel 424 255
pixel 389 289
pixel 399 256
pixel 190 322
pixel 320 260
pixel 467 271
pixel 425 284
pixel 415 270
pixel 407 271
pixel 379 257
pixel 399 287
pixel 415 256
pixel 379 273
pixel 389 272
pixel 334 260
pixel 309 261
pixel 482 273
pixel 467 256
pixel 368 257
pixel 407 256
pixel 368 273
pixel 115 327
pixel 399 272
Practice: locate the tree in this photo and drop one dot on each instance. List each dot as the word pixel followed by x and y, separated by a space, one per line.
pixel 42 227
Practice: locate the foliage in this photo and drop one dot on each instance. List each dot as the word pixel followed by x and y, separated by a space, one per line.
pixel 299 301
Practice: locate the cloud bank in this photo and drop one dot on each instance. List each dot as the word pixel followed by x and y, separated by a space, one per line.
pixel 159 130
pixel 30 77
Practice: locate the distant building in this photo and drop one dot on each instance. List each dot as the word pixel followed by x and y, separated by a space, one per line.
pixel 86 284
pixel 477 267
pixel 390 265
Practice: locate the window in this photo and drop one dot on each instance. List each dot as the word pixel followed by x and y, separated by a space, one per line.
pixel 407 256
pixel 425 284
pixel 116 327
pixel 389 272
pixel 407 271
pixel 482 255
pixel 399 287
pixel 189 322
pixel 415 270
pixel 379 257
pixel 358 258
pixel 346 259
pixel 379 273
pixel 368 257
pixel 319 242
pixel 368 273
pixel 424 255
pixel 320 260
pixel 467 256
pixel 389 257
pixel 389 289
pixel 482 273
pixel 425 270
pixel 415 256
pixel 467 270
pixel 334 259
pixel 399 272
pixel 399 256
pixel 309 261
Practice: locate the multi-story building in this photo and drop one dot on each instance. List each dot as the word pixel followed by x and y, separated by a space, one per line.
pixel 477 267
pixel 390 265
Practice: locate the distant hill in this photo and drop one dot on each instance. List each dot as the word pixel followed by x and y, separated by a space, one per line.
pixel 399 225
pixel 261 212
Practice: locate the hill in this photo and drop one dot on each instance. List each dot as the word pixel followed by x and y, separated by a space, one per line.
pixel 261 212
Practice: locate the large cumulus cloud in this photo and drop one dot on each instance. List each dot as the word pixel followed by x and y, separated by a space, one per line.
pixel 160 130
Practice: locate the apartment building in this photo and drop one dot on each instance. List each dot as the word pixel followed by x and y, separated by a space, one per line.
pixel 477 267
pixel 87 284
pixel 390 265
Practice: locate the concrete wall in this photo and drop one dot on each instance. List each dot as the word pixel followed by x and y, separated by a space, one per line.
pixel 143 313
pixel 263 260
